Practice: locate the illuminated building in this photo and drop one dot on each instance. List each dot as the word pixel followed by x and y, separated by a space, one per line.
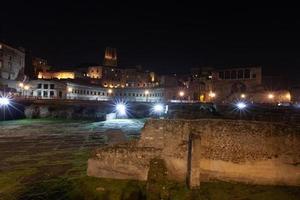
pixel 56 75
pixel 110 57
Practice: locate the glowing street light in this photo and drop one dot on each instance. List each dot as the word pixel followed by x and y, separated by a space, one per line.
pixel 4 101
pixel 21 85
pixel 70 89
pixel 212 94
pixel 241 105
pixel 181 93
pixel 243 96
pixel 158 108
pixel 271 96
pixel 109 91
pixel 288 96
pixel 146 92
pixel 26 87
pixel 121 109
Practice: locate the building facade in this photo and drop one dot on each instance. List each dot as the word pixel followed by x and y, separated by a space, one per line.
pixel 12 62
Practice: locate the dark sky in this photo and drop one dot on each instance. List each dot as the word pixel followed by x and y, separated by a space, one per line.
pixel 162 37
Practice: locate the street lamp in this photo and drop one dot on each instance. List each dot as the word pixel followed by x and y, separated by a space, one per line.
pixel 4 101
pixel 241 105
pixel 181 93
pixel 212 94
pixel 109 91
pixel 158 108
pixel 121 109
pixel 271 96
pixel 243 96
pixel 70 89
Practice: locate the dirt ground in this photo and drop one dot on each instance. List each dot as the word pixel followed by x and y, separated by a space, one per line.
pixel 36 151
pixel 47 159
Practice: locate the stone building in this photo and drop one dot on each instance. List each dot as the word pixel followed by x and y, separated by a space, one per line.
pixel 12 62
pixel 65 74
pixel 110 57
pixel 62 89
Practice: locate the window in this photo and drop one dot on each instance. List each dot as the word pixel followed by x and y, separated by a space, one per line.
pixel 253 75
pixel 221 75
pixel 39 93
pixel 227 74
pixel 87 92
pixel 99 93
pixel 0 64
pixel 240 74
pixel 233 74
pixel 45 86
pixel 51 93
pixel 51 86
pixel 247 73
pixel 45 94
pixel 39 86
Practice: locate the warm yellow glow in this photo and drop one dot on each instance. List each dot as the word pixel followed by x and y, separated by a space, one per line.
pixel 70 89
pixel 212 94
pixel 181 93
pixel 152 75
pixel 243 96
pixel 146 92
pixel 58 75
pixel 202 98
pixel 26 87
pixel 110 91
pixel 65 75
pixel 288 96
pixel 21 85
pixel 271 96
pixel 40 75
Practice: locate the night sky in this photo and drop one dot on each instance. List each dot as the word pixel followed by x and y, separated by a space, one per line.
pixel 165 38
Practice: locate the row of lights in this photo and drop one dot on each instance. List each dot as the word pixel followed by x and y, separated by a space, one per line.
pixel 110 91
pixel 25 87
pixel 121 109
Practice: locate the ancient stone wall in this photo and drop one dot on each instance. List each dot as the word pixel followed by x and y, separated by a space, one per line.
pixel 208 149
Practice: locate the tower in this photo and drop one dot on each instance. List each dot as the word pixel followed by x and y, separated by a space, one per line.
pixel 110 57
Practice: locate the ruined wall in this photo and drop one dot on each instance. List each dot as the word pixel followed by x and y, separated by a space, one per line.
pixel 202 150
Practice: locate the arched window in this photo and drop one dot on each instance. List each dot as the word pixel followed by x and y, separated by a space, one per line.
pixel 233 74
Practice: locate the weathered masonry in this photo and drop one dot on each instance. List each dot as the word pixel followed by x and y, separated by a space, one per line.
pixel 207 149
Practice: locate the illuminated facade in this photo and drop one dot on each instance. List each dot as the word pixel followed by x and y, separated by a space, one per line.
pixel 110 57
pixel 56 75
pixel 50 89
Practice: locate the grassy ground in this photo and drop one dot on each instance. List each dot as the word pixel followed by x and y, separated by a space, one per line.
pixel 47 158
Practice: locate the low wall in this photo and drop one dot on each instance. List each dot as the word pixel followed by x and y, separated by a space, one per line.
pixel 207 149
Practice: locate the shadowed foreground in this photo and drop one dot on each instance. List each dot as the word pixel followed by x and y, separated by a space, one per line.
pixel 47 159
